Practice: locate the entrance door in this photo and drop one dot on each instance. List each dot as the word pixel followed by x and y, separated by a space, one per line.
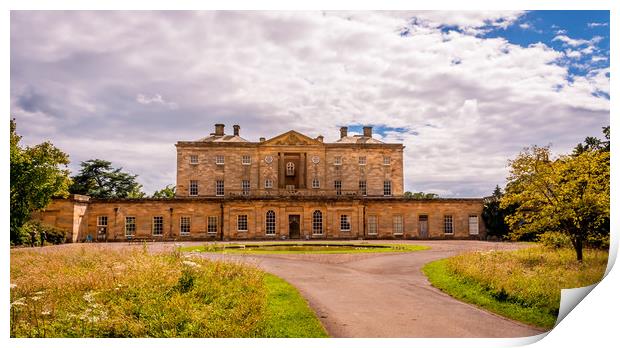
pixel 423 225
pixel 293 227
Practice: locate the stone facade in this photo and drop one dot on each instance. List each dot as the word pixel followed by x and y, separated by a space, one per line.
pixel 295 218
pixel 281 188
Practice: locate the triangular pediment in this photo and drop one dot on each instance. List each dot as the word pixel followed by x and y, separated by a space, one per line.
pixel 291 138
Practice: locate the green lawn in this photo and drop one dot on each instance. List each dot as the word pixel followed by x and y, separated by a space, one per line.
pixel 92 291
pixel 523 285
pixel 303 248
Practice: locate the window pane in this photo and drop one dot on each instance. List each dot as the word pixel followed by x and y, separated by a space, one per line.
pixel 212 224
pixel 270 222
pixel 317 222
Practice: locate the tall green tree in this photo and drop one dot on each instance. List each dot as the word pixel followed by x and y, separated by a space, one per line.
pixel 569 194
pixel 167 192
pixel 38 173
pixel 97 178
pixel 494 215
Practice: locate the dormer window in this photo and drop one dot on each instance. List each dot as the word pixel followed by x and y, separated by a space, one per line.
pixel 290 169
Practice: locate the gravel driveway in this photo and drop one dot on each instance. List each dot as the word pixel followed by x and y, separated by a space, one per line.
pixel 386 294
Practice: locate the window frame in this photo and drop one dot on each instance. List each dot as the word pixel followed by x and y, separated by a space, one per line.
pixel 239 222
pixel 217 188
pixel 270 223
pixel 345 220
pixel 448 221
pixel 317 223
pixel 338 187
pixel 246 160
pixel 373 221
pixel 160 224
pixel 337 160
pixel 188 224
pixel 268 183
pixel 245 187
pixel 193 184
pixel 209 225
pixel 477 224
pixel 101 218
pixel 290 169
pixel 220 160
pixel 398 225
pixel 316 183
pixel 192 158
pixel 388 162
pixel 363 188
pixel 134 224
pixel 361 160
pixel 387 188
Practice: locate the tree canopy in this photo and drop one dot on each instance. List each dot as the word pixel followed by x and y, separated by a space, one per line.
pixel 167 192
pixel 97 178
pixel 494 216
pixel 38 173
pixel 568 194
pixel 420 195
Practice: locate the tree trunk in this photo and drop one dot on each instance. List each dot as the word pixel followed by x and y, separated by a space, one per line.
pixel 579 248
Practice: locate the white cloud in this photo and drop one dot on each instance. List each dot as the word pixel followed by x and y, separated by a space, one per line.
pixel 597 24
pixel 155 99
pixel 309 71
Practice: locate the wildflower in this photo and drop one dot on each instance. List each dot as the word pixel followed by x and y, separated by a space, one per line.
pixel 190 263
pixel 13 286
pixel 35 298
pixel 39 293
pixel 45 313
pixel 89 296
pixel 19 302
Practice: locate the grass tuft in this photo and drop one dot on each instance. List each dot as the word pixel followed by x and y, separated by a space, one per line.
pixel 523 285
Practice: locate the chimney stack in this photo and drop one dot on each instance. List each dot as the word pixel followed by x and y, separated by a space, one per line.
pixel 320 138
pixel 261 139
pixel 343 132
pixel 219 129
pixel 368 132
pixel 236 129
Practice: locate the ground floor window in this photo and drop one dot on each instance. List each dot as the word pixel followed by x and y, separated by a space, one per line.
pixel 345 223
pixel 212 224
pixel 270 222
pixel 448 227
pixel 185 225
pixel 268 183
pixel 130 225
pixel 398 224
pixel 473 224
pixel 372 224
pixel 242 223
pixel 317 222
pixel 158 225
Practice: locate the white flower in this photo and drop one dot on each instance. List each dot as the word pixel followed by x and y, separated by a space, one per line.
pixel 36 298
pixel 45 313
pixel 19 302
pixel 190 263
pixel 39 293
pixel 13 286
pixel 89 296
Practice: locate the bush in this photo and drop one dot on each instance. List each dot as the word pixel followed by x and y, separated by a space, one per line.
pixel 555 240
pixel 598 241
pixel 35 233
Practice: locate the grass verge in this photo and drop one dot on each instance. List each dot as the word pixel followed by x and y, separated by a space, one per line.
pixel 93 291
pixel 303 248
pixel 523 285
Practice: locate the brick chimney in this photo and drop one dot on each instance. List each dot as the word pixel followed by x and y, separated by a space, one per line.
pixel 236 129
pixel 343 132
pixel 368 132
pixel 219 129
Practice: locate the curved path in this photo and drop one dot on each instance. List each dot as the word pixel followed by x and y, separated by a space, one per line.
pixel 386 294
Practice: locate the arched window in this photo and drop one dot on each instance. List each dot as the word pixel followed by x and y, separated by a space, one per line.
pixel 317 222
pixel 270 222
pixel 290 169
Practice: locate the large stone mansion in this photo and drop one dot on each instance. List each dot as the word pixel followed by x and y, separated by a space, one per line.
pixel 288 187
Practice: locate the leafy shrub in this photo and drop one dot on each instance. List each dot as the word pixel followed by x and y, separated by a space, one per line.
pixel 555 240
pixel 35 232
pixel 598 241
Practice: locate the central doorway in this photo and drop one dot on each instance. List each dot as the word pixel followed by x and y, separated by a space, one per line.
pixel 423 226
pixel 293 227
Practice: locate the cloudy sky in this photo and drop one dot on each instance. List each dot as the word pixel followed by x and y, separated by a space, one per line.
pixel 464 91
